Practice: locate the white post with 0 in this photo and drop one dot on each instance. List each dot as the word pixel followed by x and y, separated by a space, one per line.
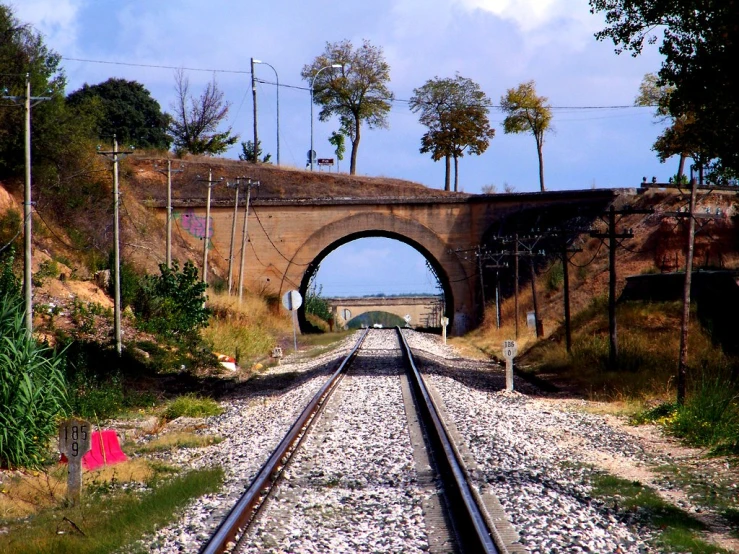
pixel 510 349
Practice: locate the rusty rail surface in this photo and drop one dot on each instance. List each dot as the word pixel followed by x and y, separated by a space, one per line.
pixel 242 512
pixel 468 521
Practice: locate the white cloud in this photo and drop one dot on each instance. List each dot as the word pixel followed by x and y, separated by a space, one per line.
pixel 56 20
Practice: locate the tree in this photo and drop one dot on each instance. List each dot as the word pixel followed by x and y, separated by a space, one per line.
pixel 527 112
pixel 195 123
pixel 676 139
pixel 337 138
pixel 456 114
pixel 248 154
pixel 700 45
pixel 356 93
pixel 22 51
pixel 129 111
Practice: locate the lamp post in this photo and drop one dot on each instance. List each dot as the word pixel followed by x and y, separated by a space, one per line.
pixel 312 81
pixel 277 78
pixel 28 102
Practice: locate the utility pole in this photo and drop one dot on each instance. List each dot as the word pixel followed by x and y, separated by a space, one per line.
pixel 28 102
pixel 116 155
pixel 235 186
pixel 683 360
pixel 210 183
pixel 612 237
pixel 515 270
pixel 244 235
pixel 254 101
pixel 168 255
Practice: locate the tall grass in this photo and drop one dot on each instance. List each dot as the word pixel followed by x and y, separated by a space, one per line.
pixel 33 392
pixel 248 330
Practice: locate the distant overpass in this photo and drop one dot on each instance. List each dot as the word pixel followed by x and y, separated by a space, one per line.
pixel 424 311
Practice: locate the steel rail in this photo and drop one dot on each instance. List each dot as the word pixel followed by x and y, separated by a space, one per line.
pixel 240 515
pixel 469 522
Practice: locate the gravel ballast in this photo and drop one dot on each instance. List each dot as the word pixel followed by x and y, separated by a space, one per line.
pixel 352 486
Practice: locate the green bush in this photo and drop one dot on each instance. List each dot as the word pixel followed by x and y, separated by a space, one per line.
pixel 191 405
pixel 315 303
pixel 555 277
pixel 9 283
pixel 173 303
pixel 33 392
pixel 709 417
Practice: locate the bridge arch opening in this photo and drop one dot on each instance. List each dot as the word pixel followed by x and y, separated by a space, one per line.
pixel 435 266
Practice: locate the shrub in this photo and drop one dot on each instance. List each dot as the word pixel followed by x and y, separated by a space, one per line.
pixel 315 304
pixel 33 393
pixel 556 277
pixel 191 405
pixel 9 283
pixel 173 303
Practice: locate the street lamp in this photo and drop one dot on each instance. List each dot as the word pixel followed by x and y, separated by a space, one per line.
pixel 277 78
pixel 313 80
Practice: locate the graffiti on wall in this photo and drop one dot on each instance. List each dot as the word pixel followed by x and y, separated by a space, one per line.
pixel 195 224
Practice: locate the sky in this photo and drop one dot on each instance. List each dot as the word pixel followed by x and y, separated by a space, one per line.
pixel 598 139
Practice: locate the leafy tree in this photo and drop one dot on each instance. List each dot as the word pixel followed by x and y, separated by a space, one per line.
pixel 316 304
pixel 195 122
pixel 356 93
pixel 248 155
pixel 337 139
pixel 173 303
pixel 700 45
pixel 22 51
pixel 527 112
pixel 129 111
pixel 456 114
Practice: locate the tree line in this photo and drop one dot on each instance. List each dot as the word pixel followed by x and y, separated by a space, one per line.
pixel 694 91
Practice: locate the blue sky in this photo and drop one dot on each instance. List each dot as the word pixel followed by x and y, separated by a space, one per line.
pixel 497 43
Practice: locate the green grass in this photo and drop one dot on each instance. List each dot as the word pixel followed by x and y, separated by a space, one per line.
pixel 677 530
pixel 171 441
pixel 109 521
pixel 191 405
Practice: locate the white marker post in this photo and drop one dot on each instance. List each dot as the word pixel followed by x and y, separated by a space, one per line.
pixel 444 323
pixel 292 301
pixel 74 442
pixel 509 352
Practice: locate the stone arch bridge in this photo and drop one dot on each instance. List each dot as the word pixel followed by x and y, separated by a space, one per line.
pixel 424 311
pixel 288 238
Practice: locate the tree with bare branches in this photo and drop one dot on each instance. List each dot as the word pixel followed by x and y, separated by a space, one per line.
pixel 194 125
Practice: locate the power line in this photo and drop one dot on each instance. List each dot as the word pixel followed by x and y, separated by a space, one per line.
pixel 306 88
pixel 155 66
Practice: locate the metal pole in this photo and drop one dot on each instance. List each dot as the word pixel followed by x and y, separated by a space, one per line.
pixel 515 261
pixel 566 274
pixel 310 152
pixel 207 228
pixel 254 101
pixel 116 251
pixel 313 80
pixel 233 237
pixel 613 350
pixel 277 77
pixel 497 299
pixel 683 363
pixel 243 240
pixel 169 214
pixel 27 255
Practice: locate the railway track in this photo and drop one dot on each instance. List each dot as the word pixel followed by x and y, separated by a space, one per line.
pixel 460 523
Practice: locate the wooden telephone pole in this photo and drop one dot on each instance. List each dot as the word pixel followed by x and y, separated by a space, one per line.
pixel 613 238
